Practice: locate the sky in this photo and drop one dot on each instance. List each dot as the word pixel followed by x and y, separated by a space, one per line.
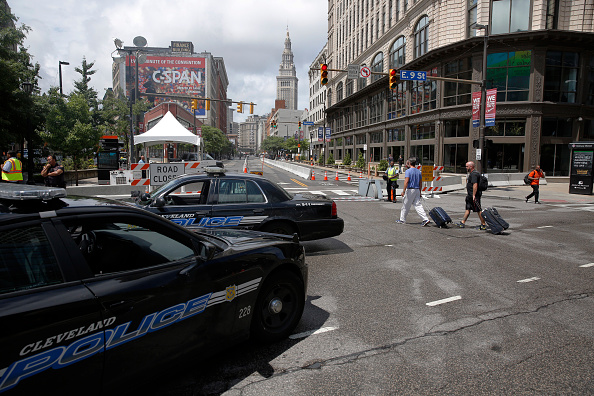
pixel 248 34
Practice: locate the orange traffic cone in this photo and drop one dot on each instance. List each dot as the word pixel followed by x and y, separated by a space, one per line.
pixel 361 175
pixel 336 178
pixel 349 178
pixel 325 175
pixel 245 168
pixel 313 174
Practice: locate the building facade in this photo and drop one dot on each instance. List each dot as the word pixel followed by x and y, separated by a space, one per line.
pixel 287 81
pixel 540 57
pixel 250 134
pixel 317 104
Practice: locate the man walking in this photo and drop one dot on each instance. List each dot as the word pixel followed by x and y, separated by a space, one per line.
pixel 473 196
pixel 411 192
pixel 400 163
pixel 392 175
pixel 534 177
pixel 12 169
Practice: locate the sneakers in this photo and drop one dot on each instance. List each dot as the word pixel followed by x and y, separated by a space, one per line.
pixel 526 199
pixel 399 221
pixel 425 223
pixel 537 202
pixel 482 227
pixel 460 224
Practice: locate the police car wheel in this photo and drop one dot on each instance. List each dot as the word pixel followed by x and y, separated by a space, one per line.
pixel 278 308
pixel 278 227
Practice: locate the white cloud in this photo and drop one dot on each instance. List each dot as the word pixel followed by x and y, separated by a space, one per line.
pixel 248 34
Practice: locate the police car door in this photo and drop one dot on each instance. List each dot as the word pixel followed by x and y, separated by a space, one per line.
pixel 240 203
pixel 147 275
pixel 187 204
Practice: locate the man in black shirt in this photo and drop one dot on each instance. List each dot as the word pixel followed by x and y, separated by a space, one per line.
pixel 473 196
pixel 53 173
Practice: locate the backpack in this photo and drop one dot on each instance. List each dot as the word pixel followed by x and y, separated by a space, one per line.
pixel 483 183
pixel 526 179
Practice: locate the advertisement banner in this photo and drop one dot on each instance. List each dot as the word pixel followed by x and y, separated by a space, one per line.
pixel 476 109
pixel 320 134
pixel 490 107
pixel 169 74
pixel 327 134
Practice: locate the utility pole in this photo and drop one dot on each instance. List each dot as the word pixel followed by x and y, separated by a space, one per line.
pixel 482 163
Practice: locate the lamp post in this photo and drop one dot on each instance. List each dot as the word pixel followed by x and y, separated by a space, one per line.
pixel 60 63
pixel 483 168
pixel 28 89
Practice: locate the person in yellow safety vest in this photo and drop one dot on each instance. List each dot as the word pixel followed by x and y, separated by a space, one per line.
pixel 392 174
pixel 12 170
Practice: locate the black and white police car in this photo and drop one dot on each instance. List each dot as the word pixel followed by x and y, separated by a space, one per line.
pixel 216 199
pixel 93 292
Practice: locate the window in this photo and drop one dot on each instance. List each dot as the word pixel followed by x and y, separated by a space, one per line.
pixel 397 101
pixel 457 128
pixel 558 127
pixel 376 137
pixel 396 135
pixel 455 157
pixel 588 129
pixel 472 9
pixel 561 76
pixel 397 9
pixel 422 37
pixel 339 92
pixel 507 128
pixel 27 260
pixel 126 243
pixel 425 154
pixel 509 72
pixel 189 194
pixel 349 87
pixel 457 93
pixel 510 16
pixel 552 14
pixel 555 159
pixel 398 53
pixel 239 191
pixel 423 96
pixel 405 5
pixel 377 66
pixel 590 83
pixel 361 139
pixel 376 109
pixel 422 131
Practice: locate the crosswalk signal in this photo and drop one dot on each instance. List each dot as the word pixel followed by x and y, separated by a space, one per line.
pixel 207 104
pixel 240 107
pixel 194 104
pixel 393 79
pixel 324 74
pixel 251 107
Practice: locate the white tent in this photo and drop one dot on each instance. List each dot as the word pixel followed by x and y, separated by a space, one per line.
pixel 168 130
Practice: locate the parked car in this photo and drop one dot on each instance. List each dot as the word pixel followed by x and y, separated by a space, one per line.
pixel 94 292
pixel 216 199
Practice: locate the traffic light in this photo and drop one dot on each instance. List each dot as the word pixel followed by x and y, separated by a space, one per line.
pixel 475 143
pixel 393 79
pixel 300 125
pixel 194 104
pixel 240 107
pixel 324 74
pixel 251 107
pixel 207 104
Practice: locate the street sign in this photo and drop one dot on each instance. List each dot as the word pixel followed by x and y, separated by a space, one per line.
pixel 162 173
pixel 365 72
pixel 427 173
pixel 308 123
pixel 353 71
pixel 413 75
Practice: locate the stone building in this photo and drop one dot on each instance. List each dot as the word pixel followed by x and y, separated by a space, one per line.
pixel 286 81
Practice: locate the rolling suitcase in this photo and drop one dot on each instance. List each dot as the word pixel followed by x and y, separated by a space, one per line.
pixel 496 223
pixel 440 217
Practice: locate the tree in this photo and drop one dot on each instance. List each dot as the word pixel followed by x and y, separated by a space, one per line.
pixel 347 158
pixel 330 160
pixel 361 161
pixel 215 141
pixel 273 144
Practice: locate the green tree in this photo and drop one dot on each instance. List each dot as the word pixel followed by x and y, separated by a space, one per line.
pixel 347 159
pixel 361 161
pixel 215 141
pixel 273 144
pixel 330 160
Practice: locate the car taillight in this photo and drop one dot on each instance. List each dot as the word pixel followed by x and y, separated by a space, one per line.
pixel 334 210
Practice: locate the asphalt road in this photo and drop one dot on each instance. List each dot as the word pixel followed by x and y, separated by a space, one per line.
pixel 405 309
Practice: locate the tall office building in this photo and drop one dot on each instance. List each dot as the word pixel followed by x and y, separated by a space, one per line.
pixel 286 81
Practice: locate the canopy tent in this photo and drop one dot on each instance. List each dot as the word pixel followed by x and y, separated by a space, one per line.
pixel 168 130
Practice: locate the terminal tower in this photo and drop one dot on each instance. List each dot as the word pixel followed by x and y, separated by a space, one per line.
pixel 286 81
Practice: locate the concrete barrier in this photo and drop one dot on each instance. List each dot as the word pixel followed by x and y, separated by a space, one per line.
pixel 298 170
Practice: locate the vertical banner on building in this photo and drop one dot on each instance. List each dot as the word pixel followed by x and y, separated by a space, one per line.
pixel 327 134
pixel 490 107
pixel 476 109
pixel 320 134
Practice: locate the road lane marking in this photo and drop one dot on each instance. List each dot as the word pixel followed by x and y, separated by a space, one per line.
pixel 312 332
pixel 587 265
pixel 317 192
pixel 534 278
pixel 445 300
pixel 545 227
pixel 340 192
pixel 298 182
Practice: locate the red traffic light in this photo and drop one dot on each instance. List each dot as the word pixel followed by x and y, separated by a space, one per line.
pixel 393 79
pixel 324 74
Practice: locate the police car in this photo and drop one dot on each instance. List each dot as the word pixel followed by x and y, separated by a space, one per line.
pixel 216 199
pixel 93 292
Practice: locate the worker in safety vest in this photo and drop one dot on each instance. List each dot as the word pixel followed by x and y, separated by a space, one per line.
pixel 12 170
pixel 392 178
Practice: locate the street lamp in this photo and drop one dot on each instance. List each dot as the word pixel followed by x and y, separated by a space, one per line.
pixel 28 89
pixel 60 63
pixel 483 168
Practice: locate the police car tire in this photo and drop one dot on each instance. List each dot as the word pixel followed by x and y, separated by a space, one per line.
pixel 268 326
pixel 279 227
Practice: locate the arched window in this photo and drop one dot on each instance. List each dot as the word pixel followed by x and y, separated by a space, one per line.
pixel 398 53
pixel 422 37
pixel 377 66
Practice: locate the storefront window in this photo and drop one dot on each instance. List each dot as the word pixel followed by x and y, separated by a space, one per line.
pixel 396 135
pixel 505 158
pixel 561 76
pixel 457 128
pixel 507 128
pixel 509 72
pixel 455 158
pixel 555 159
pixel 457 93
pixel 423 131
pixel 425 154
pixel 559 127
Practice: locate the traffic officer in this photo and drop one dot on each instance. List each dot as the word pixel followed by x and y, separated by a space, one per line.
pixel 12 170
pixel 392 174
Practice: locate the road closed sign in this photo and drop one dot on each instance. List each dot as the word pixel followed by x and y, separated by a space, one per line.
pixel 163 173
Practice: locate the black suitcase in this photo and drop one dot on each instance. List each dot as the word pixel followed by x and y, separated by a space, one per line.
pixel 440 217
pixel 495 222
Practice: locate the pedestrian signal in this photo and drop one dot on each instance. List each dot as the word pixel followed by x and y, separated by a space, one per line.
pixel 392 77
pixel 324 74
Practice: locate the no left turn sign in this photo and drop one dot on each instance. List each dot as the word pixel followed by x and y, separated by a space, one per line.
pixel 365 72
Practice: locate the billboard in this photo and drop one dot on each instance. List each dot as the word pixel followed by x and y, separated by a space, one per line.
pixel 169 74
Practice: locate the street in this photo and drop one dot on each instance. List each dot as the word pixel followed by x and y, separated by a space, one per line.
pixel 405 309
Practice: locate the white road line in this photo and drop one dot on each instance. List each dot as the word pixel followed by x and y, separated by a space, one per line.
pixel 528 280
pixel 312 332
pixel 317 192
pixel 340 192
pixel 445 300
pixel 545 227
pixel 587 265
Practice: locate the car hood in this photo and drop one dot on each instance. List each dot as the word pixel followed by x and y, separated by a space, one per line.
pixel 238 237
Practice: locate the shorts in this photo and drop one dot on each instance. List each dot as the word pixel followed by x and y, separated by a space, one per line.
pixel 473 206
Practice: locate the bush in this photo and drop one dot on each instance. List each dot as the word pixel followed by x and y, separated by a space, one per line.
pixel 382 166
pixel 361 161
pixel 68 164
pixel 330 160
pixel 347 159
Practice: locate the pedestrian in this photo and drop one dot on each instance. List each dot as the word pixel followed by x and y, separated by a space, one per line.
pixel 473 196
pixel 392 179
pixel 534 177
pixel 12 169
pixel 53 173
pixel 142 160
pixel 390 158
pixel 411 192
pixel 400 163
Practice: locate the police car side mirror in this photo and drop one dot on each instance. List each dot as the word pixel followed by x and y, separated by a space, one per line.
pixel 145 197
pixel 160 202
